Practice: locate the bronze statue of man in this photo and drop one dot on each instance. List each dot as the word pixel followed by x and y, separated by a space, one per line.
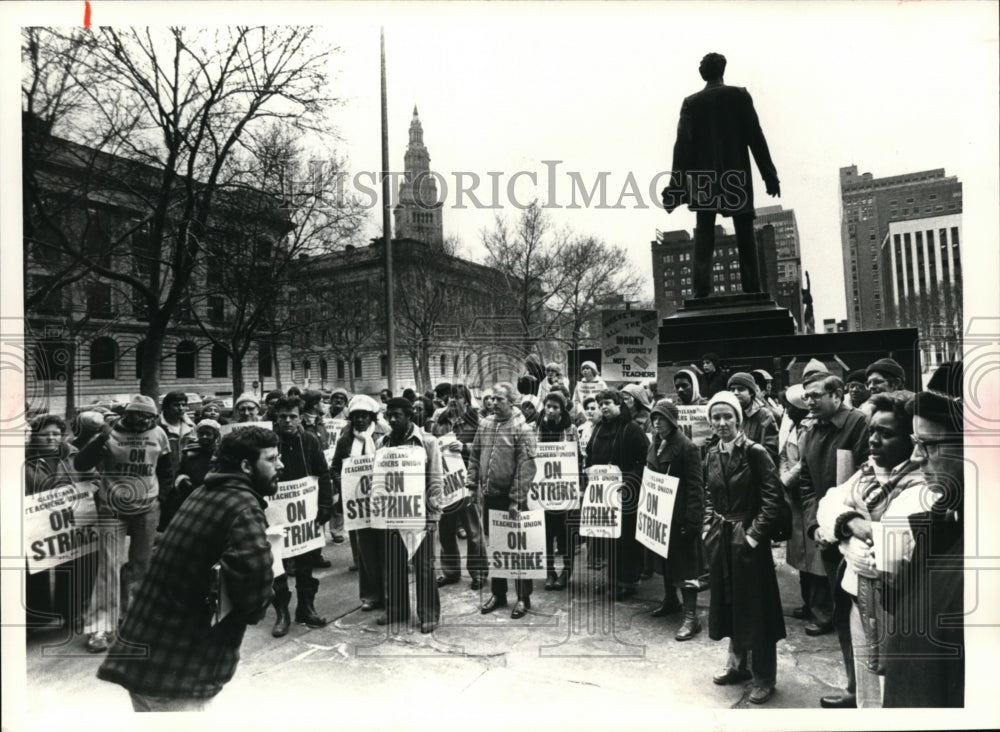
pixel 711 171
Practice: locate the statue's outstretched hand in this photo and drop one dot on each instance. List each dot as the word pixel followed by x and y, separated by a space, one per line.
pixel 773 188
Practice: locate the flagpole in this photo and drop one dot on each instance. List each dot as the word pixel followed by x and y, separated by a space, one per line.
pixel 390 331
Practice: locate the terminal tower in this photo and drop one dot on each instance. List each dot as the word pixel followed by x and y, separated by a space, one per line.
pixel 418 213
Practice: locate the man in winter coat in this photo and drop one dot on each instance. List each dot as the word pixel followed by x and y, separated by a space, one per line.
pixel 501 468
pixel 301 456
pixel 194 466
pixel 835 427
pixel 133 458
pixel 618 440
pixel 171 654
pixel 403 433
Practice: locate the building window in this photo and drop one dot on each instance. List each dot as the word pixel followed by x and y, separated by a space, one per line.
pixel 340 369
pixel 357 368
pixel 140 352
pixel 444 364
pixel 264 360
pixel 323 370
pixel 99 300
pixel 216 309
pixel 220 362
pixel 103 357
pixel 185 360
pixel 383 365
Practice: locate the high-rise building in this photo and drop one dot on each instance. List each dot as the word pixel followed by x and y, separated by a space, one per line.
pixel 418 213
pixel 869 207
pixel 788 293
pixel 673 260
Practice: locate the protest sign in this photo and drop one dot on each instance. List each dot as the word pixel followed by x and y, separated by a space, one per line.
pixel 59 525
pixel 584 390
pixel 692 420
pixel 656 509
pixel 294 507
pixel 454 479
pixel 356 490
pixel 233 426
pixel 600 515
pixel 398 492
pixel 629 341
pixel 516 546
pixel 334 426
pixel 556 486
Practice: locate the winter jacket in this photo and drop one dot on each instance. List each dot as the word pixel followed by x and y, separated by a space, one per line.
pixel 43 472
pixel 759 426
pixel 302 456
pixel 502 458
pixel 679 457
pixel 620 442
pixel 195 465
pixel 167 645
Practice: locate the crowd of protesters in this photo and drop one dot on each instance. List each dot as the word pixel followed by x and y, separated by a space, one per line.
pixel 828 466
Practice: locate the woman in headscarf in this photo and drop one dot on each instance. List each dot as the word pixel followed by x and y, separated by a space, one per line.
pixel 672 453
pixel 367 545
pixel 743 492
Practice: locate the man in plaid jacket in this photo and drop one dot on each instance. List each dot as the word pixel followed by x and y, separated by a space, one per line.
pixel 169 654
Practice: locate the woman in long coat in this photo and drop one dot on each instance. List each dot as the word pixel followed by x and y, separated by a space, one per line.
pixel 742 505
pixel 672 453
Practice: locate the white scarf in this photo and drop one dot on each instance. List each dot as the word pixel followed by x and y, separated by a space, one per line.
pixel 363 443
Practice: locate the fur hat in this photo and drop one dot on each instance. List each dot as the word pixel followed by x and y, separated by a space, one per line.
pixel 553 366
pixel 725 397
pixel 668 410
pixel 141 403
pixel 742 378
pixel 886 366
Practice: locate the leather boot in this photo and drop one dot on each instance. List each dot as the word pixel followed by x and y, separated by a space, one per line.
pixel 669 605
pixel 305 613
pixel 280 602
pixel 550 580
pixel 691 625
pixel 563 578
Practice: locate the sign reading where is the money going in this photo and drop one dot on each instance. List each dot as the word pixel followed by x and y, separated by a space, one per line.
pixel 629 341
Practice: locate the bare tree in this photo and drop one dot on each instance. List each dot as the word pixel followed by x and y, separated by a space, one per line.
pixel 168 110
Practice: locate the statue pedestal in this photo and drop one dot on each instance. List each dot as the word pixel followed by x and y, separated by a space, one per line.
pixel 726 317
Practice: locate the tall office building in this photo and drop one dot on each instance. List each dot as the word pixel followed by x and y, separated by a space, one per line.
pixel 418 213
pixel 788 293
pixel 869 208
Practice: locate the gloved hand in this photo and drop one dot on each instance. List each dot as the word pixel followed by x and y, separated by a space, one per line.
pixel 323 514
pixel 860 556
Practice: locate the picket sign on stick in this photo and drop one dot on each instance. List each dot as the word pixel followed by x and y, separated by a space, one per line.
pixel 355 490
pixel 398 491
pixel 656 509
pixel 234 426
pixel 556 486
pixel 454 479
pixel 294 507
pixel 600 515
pixel 59 525
pixel 516 548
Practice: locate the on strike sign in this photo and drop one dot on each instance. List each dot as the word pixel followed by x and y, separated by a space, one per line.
pixel 398 482
pixel 356 491
pixel 693 422
pixel 59 525
pixel 294 507
pixel 656 509
pixel 600 515
pixel 454 479
pixel 517 546
pixel 556 486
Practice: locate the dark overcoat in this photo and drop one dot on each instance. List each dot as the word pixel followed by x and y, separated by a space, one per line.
pixel 717 131
pixel 743 493
pixel 677 456
pixel 167 645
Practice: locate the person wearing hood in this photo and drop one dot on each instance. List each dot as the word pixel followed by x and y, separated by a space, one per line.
pixel 530 408
pixel 637 400
pixel 171 655
pixel 194 466
pixel 589 385
pixel 302 456
pixel 367 545
pixel 133 458
pixel 687 388
pixel 555 425
pixel 618 440
pixel 743 492
pixel 713 379
pixel 756 422
pixel 672 453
